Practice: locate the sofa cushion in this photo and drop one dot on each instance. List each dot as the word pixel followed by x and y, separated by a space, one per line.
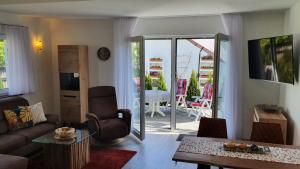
pixel 35 131
pixel 12 162
pixel 6 104
pixel 18 118
pixel 113 128
pixel 10 142
pixel 3 126
pixel 37 111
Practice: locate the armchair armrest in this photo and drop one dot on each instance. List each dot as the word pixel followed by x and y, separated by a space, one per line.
pixel 93 122
pixel 126 116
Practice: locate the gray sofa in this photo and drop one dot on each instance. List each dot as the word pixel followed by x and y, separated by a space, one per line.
pixel 19 143
pixel 13 162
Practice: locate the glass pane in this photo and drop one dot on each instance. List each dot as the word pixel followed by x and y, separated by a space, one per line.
pixel 136 69
pixel 3 83
pixel 194 68
pixel 50 138
pixel 157 85
pixel 224 54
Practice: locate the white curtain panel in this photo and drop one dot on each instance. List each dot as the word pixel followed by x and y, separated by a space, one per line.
pixel 233 24
pixel 123 30
pixel 19 61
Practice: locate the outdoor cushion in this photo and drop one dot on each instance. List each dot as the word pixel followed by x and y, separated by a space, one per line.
pixel 12 162
pixel 181 87
pixel 197 104
pixel 35 131
pixel 11 142
pixel 114 128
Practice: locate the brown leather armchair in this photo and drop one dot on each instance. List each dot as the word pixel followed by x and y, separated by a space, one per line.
pixel 105 118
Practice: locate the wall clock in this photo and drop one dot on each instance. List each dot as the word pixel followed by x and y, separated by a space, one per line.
pixel 103 53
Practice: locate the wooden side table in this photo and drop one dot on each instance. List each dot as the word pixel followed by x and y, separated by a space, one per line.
pixel 275 117
pixel 69 154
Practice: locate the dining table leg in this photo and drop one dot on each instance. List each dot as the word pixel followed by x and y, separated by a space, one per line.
pixel 153 109
pixel 157 109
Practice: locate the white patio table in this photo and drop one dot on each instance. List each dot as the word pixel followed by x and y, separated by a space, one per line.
pixel 154 98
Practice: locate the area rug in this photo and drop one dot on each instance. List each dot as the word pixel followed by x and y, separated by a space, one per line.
pixel 100 159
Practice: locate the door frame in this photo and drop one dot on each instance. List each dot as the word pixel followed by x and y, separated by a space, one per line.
pixel 141 134
pixel 174 39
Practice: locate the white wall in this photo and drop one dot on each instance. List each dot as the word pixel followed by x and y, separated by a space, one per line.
pixel 179 26
pixel 95 33
pixel 290 95
pixel 258 25
pixel 42 62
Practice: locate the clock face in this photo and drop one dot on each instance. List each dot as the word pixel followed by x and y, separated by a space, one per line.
pixel 103 53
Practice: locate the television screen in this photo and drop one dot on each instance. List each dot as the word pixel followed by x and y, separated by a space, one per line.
pixel 69 81
pixel 272 59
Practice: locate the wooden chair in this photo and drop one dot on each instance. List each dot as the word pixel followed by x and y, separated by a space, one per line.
pixel 211 127
pixel 267 133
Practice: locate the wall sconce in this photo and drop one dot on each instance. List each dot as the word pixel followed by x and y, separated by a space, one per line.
pixel 38 44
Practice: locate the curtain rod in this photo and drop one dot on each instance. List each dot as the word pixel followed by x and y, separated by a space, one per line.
pixel 13 25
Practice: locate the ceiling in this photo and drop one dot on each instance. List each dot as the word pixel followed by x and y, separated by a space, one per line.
pixel 138 8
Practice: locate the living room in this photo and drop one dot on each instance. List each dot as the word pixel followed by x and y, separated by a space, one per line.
pixel 101 30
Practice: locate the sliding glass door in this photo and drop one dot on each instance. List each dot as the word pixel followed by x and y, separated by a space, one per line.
pixel 222 53
pixel 177 80
pixel 138 87
pixel 158 84
pixel 194 81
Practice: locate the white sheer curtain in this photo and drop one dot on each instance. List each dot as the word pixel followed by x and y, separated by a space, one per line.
pixel 19 60
pixel 123 30
pixel 233 24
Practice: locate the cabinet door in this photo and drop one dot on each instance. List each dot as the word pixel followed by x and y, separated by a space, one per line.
pixel 68 59
pixel 70 107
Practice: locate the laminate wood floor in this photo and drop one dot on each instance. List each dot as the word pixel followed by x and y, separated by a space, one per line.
pixel 155 152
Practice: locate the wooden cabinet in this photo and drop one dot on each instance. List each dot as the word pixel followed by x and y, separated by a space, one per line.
pixel 74 78
pixel 275 117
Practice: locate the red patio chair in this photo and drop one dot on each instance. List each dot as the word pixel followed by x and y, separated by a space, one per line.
pixel 181 93
pixel 202 104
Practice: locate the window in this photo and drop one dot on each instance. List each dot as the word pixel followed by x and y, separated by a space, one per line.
pixel 3 82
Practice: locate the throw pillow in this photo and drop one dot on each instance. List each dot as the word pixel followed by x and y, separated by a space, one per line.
pixel 18 118
pixel 37 112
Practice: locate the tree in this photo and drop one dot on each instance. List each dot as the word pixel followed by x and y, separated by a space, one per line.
pixel 148 82
pixel 135 49
pixel 1 85
pixel 161 83
pixel 2 54
pixel 193 88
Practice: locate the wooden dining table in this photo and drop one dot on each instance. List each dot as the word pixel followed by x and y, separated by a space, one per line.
pixel 231 162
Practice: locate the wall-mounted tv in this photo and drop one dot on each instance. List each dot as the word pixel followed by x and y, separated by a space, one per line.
pixel 272 59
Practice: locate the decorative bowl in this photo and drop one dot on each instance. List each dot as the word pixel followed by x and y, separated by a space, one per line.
pixel 65 132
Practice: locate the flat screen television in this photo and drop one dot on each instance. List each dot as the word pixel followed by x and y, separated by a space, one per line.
pixel 69 81
pixel 272 59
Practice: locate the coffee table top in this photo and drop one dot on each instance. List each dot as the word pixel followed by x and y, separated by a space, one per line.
pixel 49 138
